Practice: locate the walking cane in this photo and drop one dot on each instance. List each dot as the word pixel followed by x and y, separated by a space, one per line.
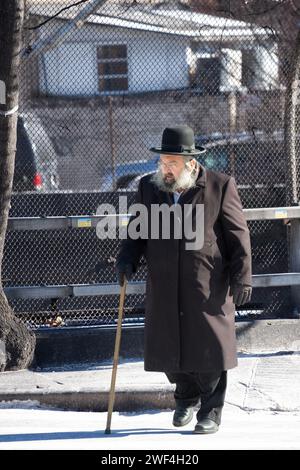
pixel 111 398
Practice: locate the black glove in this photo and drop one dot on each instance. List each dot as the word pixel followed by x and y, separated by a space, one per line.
pixel 102 265
pixel 241 293
pixel 124 269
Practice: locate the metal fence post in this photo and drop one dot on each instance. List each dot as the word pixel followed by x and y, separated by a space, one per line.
pixel 294 262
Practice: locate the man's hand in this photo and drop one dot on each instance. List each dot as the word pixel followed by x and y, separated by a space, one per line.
pixel 124 269
pixel 102 265
pixel 241 293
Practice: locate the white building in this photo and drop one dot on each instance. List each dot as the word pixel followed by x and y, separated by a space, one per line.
pixel 146 48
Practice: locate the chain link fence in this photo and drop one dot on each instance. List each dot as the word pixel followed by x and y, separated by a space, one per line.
pixel 100 80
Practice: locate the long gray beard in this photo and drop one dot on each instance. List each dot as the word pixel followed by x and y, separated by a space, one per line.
pixel 185 180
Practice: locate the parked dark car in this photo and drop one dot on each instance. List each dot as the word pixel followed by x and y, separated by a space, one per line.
pixel 256 161
pixel 125 174
pixel 36 167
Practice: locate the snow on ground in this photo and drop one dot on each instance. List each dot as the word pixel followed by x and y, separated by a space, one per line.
pixel 262 409
pixel 26 425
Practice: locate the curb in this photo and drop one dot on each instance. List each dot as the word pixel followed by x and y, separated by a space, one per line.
pixel 58 347
pixel 125 401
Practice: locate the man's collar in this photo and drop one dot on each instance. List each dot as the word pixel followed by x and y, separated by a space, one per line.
pixel 202 175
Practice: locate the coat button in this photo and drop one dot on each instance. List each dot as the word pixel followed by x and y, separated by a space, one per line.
pixel 181 314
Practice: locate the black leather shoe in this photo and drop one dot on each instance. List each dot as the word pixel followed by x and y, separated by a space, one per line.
pixel 182 416
pixel 206 426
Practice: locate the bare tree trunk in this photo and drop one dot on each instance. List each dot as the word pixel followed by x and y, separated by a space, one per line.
pixel 291 141
pixel 291 126
pixel 16 341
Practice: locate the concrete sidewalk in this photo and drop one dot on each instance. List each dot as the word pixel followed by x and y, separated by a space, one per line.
pixel 262 381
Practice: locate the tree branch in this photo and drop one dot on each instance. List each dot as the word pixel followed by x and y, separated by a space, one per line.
pixel 56 14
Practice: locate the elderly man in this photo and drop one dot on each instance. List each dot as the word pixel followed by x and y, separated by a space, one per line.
pixel 191 293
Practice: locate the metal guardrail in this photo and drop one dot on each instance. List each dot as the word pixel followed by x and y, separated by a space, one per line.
pixel 90 221
pixel 72 290
pixel 272 213
pixel 138 287
pixel 61 222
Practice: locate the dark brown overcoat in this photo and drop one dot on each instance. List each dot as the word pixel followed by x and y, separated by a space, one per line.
pixel 190 316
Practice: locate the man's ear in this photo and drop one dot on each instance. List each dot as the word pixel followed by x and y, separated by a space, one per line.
pixel 192 163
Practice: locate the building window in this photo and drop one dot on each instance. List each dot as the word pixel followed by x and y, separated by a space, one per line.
pixel 249 68
pixel 112 68
pixel 207 75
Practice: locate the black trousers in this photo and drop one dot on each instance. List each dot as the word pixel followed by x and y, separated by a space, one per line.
pixel 205 388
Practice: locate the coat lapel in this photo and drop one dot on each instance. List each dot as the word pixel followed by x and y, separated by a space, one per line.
pixel 196 194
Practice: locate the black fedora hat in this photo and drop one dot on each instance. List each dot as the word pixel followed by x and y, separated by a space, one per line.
pixel 178 141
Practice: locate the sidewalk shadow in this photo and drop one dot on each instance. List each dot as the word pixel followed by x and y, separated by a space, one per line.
pixel 269 354
pixel 48 436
